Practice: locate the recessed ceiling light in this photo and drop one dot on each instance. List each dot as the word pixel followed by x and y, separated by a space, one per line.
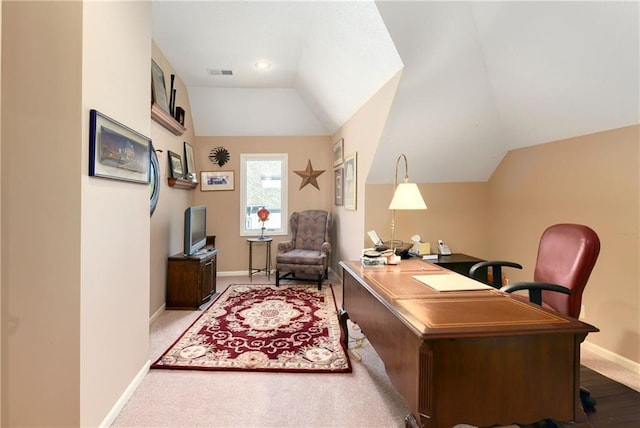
pixel 263 65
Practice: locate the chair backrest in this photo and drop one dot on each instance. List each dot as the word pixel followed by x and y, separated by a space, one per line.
pixel 566 256
pixel 310 229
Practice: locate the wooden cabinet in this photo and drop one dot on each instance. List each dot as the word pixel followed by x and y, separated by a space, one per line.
pixel 191 280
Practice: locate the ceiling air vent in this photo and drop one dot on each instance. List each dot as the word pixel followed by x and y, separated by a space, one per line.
pixel 219 72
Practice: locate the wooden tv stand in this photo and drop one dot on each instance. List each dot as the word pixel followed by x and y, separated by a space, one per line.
pixel 191 280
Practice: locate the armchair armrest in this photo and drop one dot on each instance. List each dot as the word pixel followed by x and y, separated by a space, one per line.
pixel 535 289
pixel 286 245
pixel 496 266
pixel 325 248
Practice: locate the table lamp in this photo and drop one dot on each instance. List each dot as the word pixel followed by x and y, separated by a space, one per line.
pixel 406 196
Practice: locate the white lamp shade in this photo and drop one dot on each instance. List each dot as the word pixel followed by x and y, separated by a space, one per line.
pixel 407 197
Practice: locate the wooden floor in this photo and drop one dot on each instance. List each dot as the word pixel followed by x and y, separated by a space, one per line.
pixel 616 405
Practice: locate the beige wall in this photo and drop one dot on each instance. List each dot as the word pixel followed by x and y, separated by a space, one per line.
pixel 457 213
pixel 75 249
pixel 594 180
pixel 167 219
pixel 223 214
pixel 41 277
pixel 114 235
pixel 361 134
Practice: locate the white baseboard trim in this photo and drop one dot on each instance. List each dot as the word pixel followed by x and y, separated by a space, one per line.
pixel 610 356
pixel 157 313
pixel 246 273
pixel 126 395
pixel 234 273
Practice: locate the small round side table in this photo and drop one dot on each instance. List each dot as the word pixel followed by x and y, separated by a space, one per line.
pixel 267 265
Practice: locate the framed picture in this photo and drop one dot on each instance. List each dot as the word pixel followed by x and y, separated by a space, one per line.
pixel 216 180
pixel 158 87
pixel 190 163
pixel 116 151
pixel 175 165
pixel 350 181
pixel 338 177
pixel 338 152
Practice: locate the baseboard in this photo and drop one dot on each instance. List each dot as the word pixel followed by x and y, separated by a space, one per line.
pixel 614 358
pixel 246 273
pixel 126 395
pixel 157 313
pixel 233 273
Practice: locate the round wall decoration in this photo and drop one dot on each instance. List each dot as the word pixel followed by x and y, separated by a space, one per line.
pixel 154 180
pixel 219 155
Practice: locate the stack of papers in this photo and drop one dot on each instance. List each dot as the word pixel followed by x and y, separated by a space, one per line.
pixel 451 282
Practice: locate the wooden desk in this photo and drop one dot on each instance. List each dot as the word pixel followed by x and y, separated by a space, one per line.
pixel 474 357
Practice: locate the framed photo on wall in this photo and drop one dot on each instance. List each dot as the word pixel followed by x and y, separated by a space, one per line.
pixel 158 87
pixel 190 163
pixel 338 152
pixel 338 178
pixel 175 165
pixel 350 181
pixel 116 151
pixel 216 180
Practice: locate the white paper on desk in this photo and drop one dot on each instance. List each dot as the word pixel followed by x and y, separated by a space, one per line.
pixel 451 282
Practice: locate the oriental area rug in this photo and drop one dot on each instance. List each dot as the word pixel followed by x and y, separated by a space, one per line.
pixel 290 328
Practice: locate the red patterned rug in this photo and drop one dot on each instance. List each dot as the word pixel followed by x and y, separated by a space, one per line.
pixel 255 327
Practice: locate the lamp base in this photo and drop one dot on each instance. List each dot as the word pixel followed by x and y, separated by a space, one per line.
pixel 393 259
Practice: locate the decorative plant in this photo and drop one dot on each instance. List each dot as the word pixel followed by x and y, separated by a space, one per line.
pixel 263 215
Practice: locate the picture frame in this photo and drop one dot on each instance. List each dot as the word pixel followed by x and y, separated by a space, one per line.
pixel 158 87
pixel 338 186
pixel 350 181
pixel 216 180
pixel 338 152
pixel 190 163
pixel 175 165
pixel 117 151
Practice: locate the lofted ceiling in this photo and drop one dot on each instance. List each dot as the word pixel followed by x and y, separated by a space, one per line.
pixel 478 78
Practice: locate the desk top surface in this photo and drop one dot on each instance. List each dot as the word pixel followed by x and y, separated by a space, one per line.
pixel 465 313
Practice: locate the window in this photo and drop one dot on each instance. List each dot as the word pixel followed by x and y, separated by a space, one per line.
pixel 263 183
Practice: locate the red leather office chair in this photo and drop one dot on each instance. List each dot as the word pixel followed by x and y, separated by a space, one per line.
pixel 567 254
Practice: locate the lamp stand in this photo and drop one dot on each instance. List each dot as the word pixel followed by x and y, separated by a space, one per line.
pixel 395 186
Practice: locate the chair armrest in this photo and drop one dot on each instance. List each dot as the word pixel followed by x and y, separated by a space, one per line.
pixel 497 266
pixel 325 248
pixel 285 245
pixel 535 289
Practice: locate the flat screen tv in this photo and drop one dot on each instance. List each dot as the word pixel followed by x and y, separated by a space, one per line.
pixel 195 229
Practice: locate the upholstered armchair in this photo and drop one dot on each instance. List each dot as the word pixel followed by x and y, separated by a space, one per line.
pixel 308 249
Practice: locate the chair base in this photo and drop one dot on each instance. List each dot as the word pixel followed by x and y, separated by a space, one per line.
pixel 588 402
pixel 319 278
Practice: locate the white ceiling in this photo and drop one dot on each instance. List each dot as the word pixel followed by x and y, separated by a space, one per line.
pixel 479 78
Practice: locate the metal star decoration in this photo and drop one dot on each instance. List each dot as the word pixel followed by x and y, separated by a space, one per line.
pixel 309 176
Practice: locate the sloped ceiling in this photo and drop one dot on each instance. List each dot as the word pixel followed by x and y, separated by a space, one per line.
pixel 479 78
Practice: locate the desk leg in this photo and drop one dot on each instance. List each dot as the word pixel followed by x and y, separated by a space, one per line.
pixel 343 316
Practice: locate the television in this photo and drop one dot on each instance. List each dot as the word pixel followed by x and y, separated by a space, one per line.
pixel 195 229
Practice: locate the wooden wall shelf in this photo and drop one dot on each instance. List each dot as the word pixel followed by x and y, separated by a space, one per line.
pixel 181 183
pixel 165 119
